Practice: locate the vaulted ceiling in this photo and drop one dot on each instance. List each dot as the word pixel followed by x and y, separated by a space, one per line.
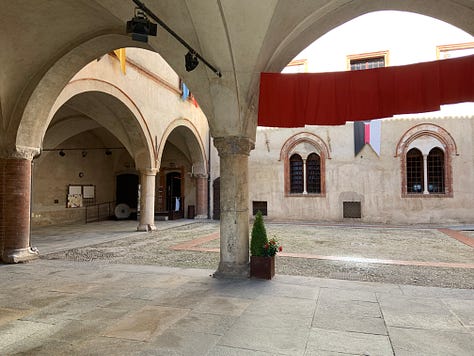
pixel 44 43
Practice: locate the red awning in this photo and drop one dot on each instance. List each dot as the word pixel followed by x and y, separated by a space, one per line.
pixel 295 100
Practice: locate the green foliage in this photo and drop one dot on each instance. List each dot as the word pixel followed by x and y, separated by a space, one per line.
pixel 259 236
pixel 272 247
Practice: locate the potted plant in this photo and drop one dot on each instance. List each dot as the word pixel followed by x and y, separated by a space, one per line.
pixel 262 250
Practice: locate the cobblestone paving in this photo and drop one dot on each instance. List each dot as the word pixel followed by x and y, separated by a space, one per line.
pixel 352 243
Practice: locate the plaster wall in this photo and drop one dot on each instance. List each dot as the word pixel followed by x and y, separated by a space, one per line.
pixel 373 180
pixel 50 195
pixel 408 38
pixel 153 87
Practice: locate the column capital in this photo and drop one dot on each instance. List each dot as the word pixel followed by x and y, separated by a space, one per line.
pixel 148 171
pixel 234 145
pixel 20 152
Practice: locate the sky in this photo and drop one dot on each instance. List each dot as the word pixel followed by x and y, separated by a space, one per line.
pixel 410 38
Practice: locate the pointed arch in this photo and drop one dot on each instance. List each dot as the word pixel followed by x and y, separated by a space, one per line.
pixel 305 145
pixel 424 139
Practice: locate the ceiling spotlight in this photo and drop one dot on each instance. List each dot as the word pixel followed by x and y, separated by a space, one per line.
pixel 84 153
pixel 191 61
pixel 62 153
pixel 108 152
pixel 140 27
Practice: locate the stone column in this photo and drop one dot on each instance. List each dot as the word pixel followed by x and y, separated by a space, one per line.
pixel 304 177
pixel 425 174
pixel 234 205
pixel 201 196
pixel 15 209
pixel 147 200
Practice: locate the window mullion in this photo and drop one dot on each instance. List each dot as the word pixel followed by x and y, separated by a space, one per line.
pixel 305 191
pixel 425 174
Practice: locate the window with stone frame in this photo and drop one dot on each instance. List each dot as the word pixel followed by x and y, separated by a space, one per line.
pixel 304 157
pixel 426 151
pixel 367 60
pixel 425 177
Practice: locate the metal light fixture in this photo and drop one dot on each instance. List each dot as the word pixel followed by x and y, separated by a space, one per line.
pixel 140 27
pixel 140 24
pixel 62 153
pixel 190 61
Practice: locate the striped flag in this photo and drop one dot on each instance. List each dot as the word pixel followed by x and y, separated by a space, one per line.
pixel 367 132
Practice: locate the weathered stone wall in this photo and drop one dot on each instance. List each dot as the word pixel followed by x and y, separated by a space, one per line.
pixel 373 180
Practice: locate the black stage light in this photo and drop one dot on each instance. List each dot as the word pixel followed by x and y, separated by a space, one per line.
pixel 191 61
pixel 140 27
pixel 62 153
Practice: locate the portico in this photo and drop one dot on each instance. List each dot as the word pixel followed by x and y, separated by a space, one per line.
pixel 54 40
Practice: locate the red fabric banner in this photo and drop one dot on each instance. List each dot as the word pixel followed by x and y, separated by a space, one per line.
pixel 295 100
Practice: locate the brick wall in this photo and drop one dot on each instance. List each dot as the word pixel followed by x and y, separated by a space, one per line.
pixel 15 178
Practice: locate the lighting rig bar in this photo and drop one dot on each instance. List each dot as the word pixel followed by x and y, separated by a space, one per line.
pixel 192 51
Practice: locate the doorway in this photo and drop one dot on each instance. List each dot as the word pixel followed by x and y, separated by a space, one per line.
pixel 174 199
pixel 127 192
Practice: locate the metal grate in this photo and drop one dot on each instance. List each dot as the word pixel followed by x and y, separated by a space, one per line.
pixel 436 171
pixel 259 205
pixel 414 171
pixel 313 173
pixel 296 174
pixel 367 63
pixel 351 209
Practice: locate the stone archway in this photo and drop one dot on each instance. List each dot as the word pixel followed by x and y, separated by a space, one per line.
pixel 182 154
pixel 96 119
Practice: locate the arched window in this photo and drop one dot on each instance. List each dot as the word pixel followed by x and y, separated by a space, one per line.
pixel 414 171
pixel 436 171
pixel 426 152
pixel 296 174
pixel 313 173
pixel 304 157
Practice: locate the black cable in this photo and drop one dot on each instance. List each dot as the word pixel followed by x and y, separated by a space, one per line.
pixel 142 7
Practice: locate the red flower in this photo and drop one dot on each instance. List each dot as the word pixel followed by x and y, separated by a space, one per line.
pixel 280 249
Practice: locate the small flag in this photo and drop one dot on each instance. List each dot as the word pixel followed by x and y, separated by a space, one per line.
pixel 120 53
pixel 367 132
pixel 185 91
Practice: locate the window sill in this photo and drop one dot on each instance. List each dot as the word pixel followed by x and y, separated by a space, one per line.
pixel 308 195
pixel 427 196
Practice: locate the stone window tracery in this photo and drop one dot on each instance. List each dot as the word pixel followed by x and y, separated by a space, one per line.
pixel 426 152
pixel 304 156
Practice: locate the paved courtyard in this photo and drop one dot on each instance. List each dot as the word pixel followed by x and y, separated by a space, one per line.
pixel 92 297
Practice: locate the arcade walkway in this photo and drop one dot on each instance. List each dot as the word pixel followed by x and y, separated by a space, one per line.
pixel 104 307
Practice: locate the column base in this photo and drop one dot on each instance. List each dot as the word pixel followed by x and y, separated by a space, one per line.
pixel 232 270
pixel 146 227
pixel 200 217
pixel 20 255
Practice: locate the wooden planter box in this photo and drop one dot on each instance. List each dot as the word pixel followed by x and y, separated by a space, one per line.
pixel 262 267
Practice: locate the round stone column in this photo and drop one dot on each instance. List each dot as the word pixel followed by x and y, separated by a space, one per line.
pixel 147 200
pixel 234 204
pixel 15 198
pixel 201 196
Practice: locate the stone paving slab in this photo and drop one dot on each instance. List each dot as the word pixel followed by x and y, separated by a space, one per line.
pixel 120 309
pixel 99 305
